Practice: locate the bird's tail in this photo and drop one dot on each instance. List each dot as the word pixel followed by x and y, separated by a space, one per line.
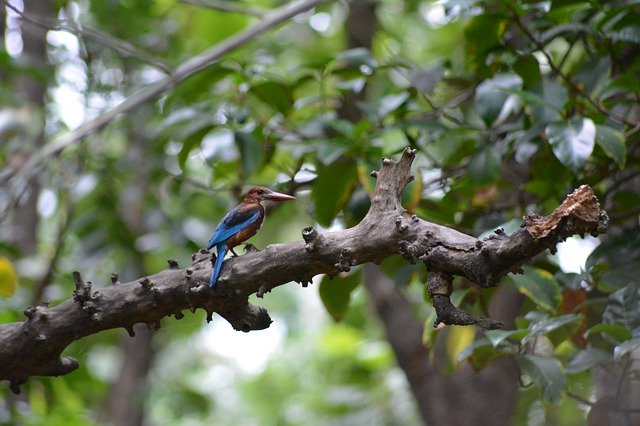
pixel 222 250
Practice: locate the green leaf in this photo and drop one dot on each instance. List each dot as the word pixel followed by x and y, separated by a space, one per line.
pixel 481 348
pixel 573 27
pixel 587 359
pixel 352 85
pixel 612 143
pixel 554 96
pixel 190 143
pixel 332 189
pixel 593 74
pixel 485 166
pixel 630 34
pixel 623 307
pixel 530 98
pixel 457 339
pixel 483 34
pixel 496 337
pixel 335 293
pixel 341 340
pixel 546 373
pixel 539 286
pixel 627 245
pixel 8 278
pixel 625 347
pixel 491 95
pixel 357 57
pixel 459 295
pixel 277 95
pixel 482 351
pixel 426 79
pixel 251 152
pixel 617 332
pixel 528 68
pixel 546 325
pixel 619 276
pixel 572 142
pixel 390 103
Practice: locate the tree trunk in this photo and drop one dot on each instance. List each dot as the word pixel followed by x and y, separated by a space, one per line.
pixel 466 397
pixel 126 400
pixel 3 29
pixel 33 90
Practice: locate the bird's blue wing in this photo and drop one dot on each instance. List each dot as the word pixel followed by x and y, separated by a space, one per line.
pixel 235 221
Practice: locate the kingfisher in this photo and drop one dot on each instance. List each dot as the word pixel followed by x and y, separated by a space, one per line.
pixel 240 224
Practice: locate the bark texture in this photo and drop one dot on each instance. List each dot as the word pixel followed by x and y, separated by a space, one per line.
pixel 33 347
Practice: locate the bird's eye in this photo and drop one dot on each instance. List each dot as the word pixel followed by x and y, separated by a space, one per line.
pixel 260 191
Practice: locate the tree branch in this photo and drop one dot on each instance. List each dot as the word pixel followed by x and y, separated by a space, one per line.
pixel 227 6
pixel 102 38
pixel 16 180
pixel 33 347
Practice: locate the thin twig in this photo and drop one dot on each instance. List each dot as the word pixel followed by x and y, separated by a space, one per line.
pixel 441 111
pixel 580 399
pixel 617 183
pixel 55 259
pixel 227 6
pixel 203 187
pixel 631 131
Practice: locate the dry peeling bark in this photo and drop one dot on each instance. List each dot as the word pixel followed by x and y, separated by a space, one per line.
pixel 34 347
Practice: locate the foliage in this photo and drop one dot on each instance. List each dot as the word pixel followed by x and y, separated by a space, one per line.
pixel 511 105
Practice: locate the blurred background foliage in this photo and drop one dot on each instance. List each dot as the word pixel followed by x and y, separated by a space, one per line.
pixel 510 104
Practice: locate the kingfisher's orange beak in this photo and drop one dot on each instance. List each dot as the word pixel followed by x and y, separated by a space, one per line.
pixel 277 196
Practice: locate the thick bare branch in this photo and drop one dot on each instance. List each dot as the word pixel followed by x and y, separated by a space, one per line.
pixel 33 347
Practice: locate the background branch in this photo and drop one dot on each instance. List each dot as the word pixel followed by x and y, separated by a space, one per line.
pixel 16 180
pixel 102 38
pixel 227 6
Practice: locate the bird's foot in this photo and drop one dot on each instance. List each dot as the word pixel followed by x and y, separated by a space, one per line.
pixel 250 248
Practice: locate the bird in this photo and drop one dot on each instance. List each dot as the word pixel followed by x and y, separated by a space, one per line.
pixel 240 224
